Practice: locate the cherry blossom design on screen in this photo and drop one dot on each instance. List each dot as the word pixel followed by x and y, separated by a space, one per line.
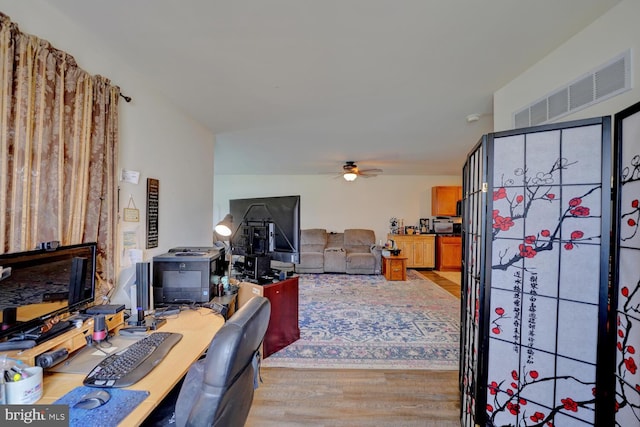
pixel 627 358
pixel 516 322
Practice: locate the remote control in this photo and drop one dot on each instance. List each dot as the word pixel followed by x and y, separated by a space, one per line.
pixel 17 345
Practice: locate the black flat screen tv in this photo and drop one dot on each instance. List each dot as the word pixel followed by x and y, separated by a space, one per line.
pixel 41 284
pixel 267 226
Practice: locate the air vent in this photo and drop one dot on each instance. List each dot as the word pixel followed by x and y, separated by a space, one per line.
pixel 604 82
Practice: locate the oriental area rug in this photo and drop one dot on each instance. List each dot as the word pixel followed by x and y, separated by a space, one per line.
pixel 366 322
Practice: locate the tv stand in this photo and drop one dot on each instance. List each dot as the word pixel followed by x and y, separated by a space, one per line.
pixel 73 339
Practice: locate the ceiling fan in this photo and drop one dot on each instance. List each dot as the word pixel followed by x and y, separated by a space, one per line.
pixel 350 171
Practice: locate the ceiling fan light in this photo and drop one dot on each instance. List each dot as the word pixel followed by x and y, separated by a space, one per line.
pixel 350 176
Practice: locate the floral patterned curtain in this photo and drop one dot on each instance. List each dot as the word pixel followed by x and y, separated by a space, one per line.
pixel 58 141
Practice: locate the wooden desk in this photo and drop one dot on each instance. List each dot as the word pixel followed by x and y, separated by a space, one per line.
pixel 197 328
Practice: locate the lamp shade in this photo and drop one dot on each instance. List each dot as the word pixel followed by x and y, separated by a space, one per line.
pixel 225 226
pixel 350 176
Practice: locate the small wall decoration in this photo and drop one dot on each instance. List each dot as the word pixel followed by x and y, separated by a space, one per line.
pixel 131 212
pixel 153 190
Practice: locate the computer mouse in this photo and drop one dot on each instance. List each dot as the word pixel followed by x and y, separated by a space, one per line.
pixel 93 399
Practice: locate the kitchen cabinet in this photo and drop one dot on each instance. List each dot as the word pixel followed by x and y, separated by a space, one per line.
pixel 449 253
pixel 444 199
pixel 420 249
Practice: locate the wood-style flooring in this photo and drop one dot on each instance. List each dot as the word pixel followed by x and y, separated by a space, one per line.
pixel 358 397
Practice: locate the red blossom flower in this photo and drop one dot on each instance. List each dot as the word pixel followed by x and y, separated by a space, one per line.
pixel 514 385
pixel 624 291
pixel 593 391
pixel 620 333
pixel 568 246
pixel 496 330
pixel 551 196
pixel 635 203
pixel 520 198
pixel 545 233
pixel 537 417
pixel 577 235
pixel 499 311
pixel 631 365
pixel 619 345
pixel 513 408
pixel 569 404
pixel 576 201
pixel 514 374
pixel 522 401
pixel 631 349
pixel 493 388
pixel 500 194
pixel 496 212
pixel 510 392
pixel 489 408
pixel 638 387
pixel 534 374
pixel 631 222
pixel 503 223
pixel 580 211
pixel 530 240
pixel 527 251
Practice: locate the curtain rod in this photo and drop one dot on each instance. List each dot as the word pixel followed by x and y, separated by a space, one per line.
pixel 126 98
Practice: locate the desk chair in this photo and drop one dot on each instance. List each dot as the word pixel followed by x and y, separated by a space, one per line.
pixel 218 390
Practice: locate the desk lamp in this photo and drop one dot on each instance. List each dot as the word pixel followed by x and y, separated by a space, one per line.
pixel 224 228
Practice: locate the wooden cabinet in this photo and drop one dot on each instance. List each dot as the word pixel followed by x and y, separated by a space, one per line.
pixel 444 199
pixel 394 267
pixel 449 253
pixel 419 249
pixel 283 326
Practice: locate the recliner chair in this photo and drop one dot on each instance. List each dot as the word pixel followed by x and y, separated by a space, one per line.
pixel 218 390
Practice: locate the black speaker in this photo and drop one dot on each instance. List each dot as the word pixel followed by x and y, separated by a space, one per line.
pixel 143 285
pixel 77 280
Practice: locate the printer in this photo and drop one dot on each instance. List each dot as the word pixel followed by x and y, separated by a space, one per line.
pixel 184 274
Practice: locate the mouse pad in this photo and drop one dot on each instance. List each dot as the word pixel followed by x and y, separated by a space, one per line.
pixel 122 402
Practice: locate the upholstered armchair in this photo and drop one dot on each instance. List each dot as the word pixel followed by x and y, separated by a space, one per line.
pixel 313 242
pixel 360 245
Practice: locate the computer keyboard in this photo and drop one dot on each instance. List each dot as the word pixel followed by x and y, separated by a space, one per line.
pixel 130 365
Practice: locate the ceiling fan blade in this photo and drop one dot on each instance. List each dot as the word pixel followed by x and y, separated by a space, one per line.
pixel 371 171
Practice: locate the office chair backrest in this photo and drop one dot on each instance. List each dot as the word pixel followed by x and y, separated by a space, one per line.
pixel 218 390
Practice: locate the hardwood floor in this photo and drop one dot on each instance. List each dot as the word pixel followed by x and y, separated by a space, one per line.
pixel 337 398
pixel 358 397
pixel 449 286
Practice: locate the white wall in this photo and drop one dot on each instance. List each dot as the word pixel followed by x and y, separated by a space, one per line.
pixel 156 139
pixel 334 204
pixel 611 34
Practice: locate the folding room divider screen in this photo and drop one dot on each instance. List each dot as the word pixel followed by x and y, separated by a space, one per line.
pixel 536 239
pixel 626 271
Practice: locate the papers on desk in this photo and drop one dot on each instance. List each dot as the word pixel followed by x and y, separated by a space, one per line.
pixel 84 360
